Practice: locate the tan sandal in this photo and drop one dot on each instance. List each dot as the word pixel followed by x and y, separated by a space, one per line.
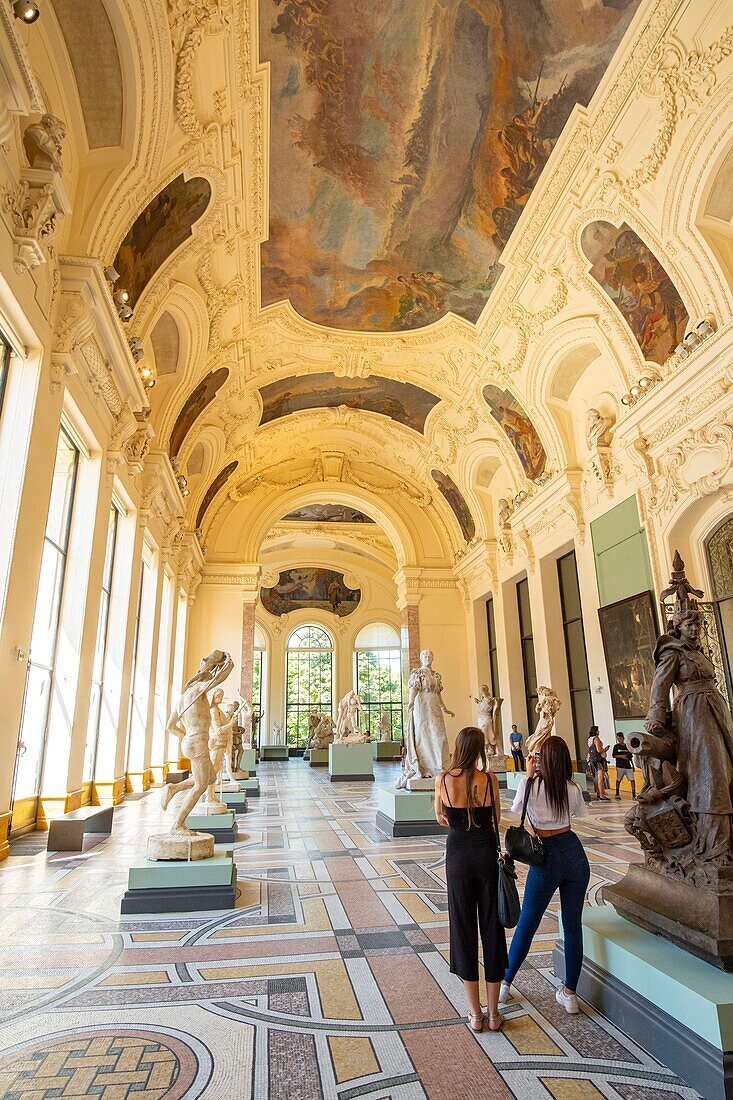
pixel 473 1016
pixel 493 1017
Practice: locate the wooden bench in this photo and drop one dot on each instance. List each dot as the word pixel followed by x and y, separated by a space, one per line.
pixel 177 776
pixel 66 833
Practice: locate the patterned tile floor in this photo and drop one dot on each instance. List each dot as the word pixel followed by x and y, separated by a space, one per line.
pixel 330 978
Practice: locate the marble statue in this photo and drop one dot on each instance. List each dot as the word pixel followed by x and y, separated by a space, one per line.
pixel 488 713
pixel 598 429
pixel 324 732
pixel 246 710
pixel 385 726
pixel 427 750
pixel 42 143
pixel 277 734
pixel 241 738
pixel 547 706
pixel 505 512
pixel 347 720
pixel 190 720
pixel 223 723
pixel 313 720
pixel 683 818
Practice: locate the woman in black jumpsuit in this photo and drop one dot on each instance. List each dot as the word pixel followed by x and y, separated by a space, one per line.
pixel 466 800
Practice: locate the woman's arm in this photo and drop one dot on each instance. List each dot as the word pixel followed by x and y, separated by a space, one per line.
pixel 439 815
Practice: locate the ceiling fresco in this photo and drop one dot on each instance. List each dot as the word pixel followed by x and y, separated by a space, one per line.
pixel 221 479
pixel 199 398
pixel 637 284
pixel 400 401
pixel 457 502
pixel 406 137
pixel 518 428
pixel 327 513
pixel 313 589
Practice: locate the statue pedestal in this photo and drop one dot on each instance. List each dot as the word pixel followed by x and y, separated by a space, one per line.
pixel 222 827
pixel 251 786
pixel 319 758
pixel 170 846
pixel 181 886
pixel 420 784
pixel 387 750
pixel 628 973
pixel 350 763
pixel 247 763
pixel 274 752
pixel 235 800
pixel 407 813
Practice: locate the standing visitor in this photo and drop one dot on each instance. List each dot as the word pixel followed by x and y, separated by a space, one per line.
pixel 516 740
pixel 467 801
pixel 552 799
pixel 624 764
pixel 597 764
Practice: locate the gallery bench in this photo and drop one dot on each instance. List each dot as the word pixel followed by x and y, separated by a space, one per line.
pixel 66 833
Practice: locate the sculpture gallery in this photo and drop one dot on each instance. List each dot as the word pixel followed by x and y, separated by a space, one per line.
pixel 427 750
pixel 683 817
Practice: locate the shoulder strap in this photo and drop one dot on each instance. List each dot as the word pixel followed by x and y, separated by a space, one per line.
pixel 445 788
pixel 527 790
pixel 486 791
pixel 494 822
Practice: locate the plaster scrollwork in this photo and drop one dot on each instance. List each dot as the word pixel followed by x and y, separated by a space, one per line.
pixel 356 363
pixel 99 376
pixel 35 206
pixel 530 326
pixel 696 467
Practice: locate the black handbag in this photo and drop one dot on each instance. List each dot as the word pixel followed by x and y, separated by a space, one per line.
pixel 520 843
pixel 507 902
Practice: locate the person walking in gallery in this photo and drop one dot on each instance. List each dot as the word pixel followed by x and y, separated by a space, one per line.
pixel 597 764
pixel 467 801
pixel 552 799
pixel 516 740
pixel 624 762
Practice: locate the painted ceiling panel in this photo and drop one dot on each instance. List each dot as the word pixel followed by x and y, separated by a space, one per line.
pixel 93 53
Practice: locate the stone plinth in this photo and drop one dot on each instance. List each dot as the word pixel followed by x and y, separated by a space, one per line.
pixel 175 846
pixel 421 784
pixel 318 758
pixel 350 763
pixel 498 764
pixel 250 786
pixel 235 800
pixel 222 827
pixel 248 761
pixel 386 750
pixel 674 1005
pixel 407 813
pixel 181 886
pixel 273 752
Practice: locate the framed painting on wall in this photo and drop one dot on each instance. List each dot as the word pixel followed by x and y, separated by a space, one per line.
pixel 629 633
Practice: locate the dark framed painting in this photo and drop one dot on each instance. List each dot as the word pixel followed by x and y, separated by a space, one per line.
pixel 629 632
pixel 324 589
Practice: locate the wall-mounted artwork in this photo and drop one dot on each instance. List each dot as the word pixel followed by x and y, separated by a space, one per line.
pixel 629 636
pixel 406 137
pixel 220 480
pixel 165 223
pixel 637 284
pixel 199 398
pixel 401 401
pixel 327 513
pixel 321 589
pixel 518 428
pixel 455 498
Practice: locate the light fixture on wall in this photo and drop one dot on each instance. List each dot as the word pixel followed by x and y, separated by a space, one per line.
pixel 696 336
pixel 138 353
pixel 121 298
pixel 520 498
pixel 640 387
pixel 111 273
pixel 26 11
pixel 183 485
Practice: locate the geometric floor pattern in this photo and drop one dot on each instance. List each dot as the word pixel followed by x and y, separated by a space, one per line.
pixel 329 980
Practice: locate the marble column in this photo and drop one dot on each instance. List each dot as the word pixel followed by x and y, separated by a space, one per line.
pixel 249 605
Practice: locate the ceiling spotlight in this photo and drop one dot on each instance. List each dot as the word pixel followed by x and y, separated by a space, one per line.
pixel 121 297
pixel 111 273
pixel 185 492
pixel 645 382
pixel 26 10
pixel 146 372
pixel 125 313
pixel 150 383
pixel 634 391
pixel 627 399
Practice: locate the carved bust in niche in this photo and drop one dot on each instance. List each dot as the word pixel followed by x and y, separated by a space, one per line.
pixel 598 429
pixel 42 143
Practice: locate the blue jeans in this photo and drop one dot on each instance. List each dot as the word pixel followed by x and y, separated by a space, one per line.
pixel 566 867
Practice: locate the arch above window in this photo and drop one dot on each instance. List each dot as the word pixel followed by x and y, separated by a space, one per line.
pixel 310 637
pixel 260 639
pixel 377 636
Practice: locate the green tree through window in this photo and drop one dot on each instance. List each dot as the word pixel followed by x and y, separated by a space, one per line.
pixel 308 681
pixel 379 677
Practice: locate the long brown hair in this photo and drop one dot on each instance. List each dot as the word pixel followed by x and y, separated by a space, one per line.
pixel 469 750
pixel 556 771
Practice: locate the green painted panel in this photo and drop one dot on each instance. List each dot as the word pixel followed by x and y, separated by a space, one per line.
pixel 248 760
pixel 210 821
pixel 621 553
pixel 350 760
pixel 147 874
pixel 406 805
pixel 251 784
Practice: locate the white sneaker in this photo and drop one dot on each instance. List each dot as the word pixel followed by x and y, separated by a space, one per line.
pixel 504 993
pixel 568 1000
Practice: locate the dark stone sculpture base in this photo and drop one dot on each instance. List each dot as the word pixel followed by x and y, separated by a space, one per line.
pixel 699 920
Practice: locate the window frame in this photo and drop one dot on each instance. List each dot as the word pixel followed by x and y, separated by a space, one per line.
pixel 106 589
pixel 298 745
pixel 371 710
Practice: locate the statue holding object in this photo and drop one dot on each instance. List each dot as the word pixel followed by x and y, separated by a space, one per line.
pixel 488 713
pixel 427 750
pixel 223 723
pixel 547 706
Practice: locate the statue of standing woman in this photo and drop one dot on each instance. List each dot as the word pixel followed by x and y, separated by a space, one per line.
pixel 427 750
pixel 488 713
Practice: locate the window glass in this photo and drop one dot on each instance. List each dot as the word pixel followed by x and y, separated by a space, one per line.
pixel 308 681
pixel 379 685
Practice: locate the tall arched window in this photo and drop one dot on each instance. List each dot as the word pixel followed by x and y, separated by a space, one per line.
pixel 719 548
pixel 308 681
pixel 379 677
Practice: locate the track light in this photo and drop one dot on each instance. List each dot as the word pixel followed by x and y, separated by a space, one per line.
pixel 125 313
pixel 121 297
pixel 26 11
pixel 111 273
pixel 149 383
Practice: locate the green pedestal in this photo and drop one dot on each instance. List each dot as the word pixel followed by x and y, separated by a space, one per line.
pixel 349 763
pixel 407 813
pixel 236 800
pixel 318 758
pixel 222 827
pixel 386 750
pixel 178 886
pixel 676 1006
pixel 251 786
pixel 273 752
pixel 248 761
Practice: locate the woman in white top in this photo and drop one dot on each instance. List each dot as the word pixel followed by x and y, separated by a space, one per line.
pixel 552 802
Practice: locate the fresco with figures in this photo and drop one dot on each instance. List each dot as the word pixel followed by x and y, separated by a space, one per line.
pixel 457 503
pixel 637 284
pixel 518 428
pixel 199 399
pixel 406 137
pixel 219 481
pixel 327 513
pixel 314 589
pixel 400 401
pixel 165 223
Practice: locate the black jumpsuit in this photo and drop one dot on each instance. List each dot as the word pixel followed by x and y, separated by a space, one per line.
pixel 472 880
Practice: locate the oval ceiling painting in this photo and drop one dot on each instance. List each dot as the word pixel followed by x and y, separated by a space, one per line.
pixel 637 284
pixel 518 428
pixel 457 502
pixel 165 223
pixel 314 589
pixel 195 404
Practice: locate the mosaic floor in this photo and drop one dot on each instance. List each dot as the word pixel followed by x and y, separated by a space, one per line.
pixel 329 979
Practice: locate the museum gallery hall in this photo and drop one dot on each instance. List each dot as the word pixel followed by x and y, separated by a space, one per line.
pixel 366 412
